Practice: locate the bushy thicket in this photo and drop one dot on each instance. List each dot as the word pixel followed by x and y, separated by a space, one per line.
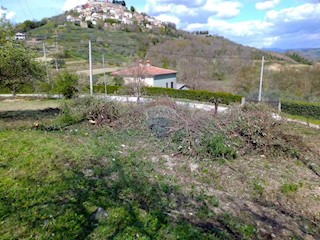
pixel 239 131
pixel 66 83
pixel 295 56
pixel 305 109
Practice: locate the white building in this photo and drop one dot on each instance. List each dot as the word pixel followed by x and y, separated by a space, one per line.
pixel 149 76
pixel 20 36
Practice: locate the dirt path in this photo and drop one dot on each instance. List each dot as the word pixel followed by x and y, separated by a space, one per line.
pixel 98 71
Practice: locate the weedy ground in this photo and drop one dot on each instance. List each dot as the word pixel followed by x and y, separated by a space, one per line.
pixel 157 170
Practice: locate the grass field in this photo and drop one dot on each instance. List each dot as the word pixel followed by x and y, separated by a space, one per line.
pixel 27 104
pixel 303 119
pixel 67 179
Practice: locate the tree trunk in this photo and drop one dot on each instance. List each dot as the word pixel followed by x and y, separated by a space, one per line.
pixel 215 108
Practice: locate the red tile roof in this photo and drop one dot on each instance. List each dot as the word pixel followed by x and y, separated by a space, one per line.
pixel 144 71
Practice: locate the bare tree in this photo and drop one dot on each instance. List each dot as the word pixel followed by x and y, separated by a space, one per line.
pixel 135 78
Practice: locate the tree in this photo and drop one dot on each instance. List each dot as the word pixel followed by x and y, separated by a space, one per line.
pixel 18 66
pixel 17 63
pixel 6 30
pixel 132 9
pixel 66 83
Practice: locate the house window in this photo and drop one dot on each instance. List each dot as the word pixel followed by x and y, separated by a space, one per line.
pixel 171 84
pixel 167 85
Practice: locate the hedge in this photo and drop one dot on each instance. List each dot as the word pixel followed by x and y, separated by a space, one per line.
pixel 305 109
pixel 199 95
pixel 110 89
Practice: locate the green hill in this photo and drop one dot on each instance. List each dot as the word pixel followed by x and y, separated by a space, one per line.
pixel 203 62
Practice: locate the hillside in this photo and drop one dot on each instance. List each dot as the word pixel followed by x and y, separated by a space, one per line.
pixel 203 61
pixel 313 53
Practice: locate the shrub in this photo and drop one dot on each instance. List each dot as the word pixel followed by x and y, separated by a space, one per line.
pixel 287 188
pixel 199 95
pixel 216 147
pixel 110 89
pixel 305 109
pixel 66 83
pixel 74 111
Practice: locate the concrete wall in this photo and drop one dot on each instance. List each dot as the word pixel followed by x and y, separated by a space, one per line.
pixel 157 81
pixel 160 81
pixel 146 82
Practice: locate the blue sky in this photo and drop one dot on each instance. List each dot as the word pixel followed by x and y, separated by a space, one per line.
pixel 258 23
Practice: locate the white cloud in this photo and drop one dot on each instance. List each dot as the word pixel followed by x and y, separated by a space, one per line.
pixel 223 9
pixel 69 4
pixel 170 8
pixel 187 3
pixel 292 27
pixel 168 18
pixel 267 4
pixel 303 12
pixel 185 12
pixel 238 29
pixel 8 14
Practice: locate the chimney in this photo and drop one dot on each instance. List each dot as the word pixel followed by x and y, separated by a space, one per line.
pixel 148 63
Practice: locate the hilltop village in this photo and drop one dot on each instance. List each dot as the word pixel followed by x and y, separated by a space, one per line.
pixel 111 13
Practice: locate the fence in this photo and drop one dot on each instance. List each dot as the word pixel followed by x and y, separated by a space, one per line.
pixel 273 104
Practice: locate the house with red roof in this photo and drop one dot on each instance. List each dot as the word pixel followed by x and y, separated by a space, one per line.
pixel 148 75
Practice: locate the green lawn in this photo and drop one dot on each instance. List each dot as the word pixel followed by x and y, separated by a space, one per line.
pixel 27 104
pixel 303 119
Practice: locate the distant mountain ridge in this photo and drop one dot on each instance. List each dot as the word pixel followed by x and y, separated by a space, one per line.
pixel 312 53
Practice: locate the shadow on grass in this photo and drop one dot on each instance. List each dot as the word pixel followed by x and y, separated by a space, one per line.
pixel 29 114
pixel 136 206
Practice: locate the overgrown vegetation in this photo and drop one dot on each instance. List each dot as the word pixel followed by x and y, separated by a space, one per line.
pixel 149 171
pixel 295 56
pixel 18 67
pixel 66 83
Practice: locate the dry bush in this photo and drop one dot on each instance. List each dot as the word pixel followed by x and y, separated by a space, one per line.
pixel 103 113
pixel 239 131
pixel 253 129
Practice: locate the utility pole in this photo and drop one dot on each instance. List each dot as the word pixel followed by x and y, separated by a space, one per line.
pixel 90 63
pixel 104 77
pixel 261 79
pixel 45 58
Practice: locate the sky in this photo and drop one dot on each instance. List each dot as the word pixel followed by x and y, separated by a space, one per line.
pixel 283 24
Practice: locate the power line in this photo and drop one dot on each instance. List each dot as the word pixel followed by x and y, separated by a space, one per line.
pixel 202 56
pixel 228 57
pixel 24 13
pixel 166 53
pixel 29 9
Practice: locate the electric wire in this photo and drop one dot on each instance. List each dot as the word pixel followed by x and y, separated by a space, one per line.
pixel 22 8
pixel 29 9
pixel 228 57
